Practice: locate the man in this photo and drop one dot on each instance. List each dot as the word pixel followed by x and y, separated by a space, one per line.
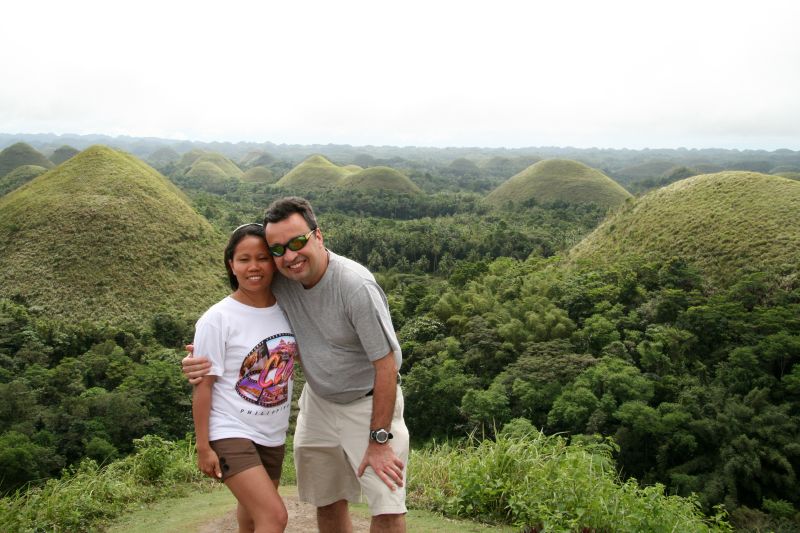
pixel 350 434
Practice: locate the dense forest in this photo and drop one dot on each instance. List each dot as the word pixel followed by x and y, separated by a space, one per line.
pixel 695 379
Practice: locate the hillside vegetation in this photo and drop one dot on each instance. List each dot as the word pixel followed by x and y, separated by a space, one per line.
pixel 63 153
pixel 124 242
pixel 19 176
pixel 559 180
pixel 379 179
pixel 721 223
pixel 315 172
pixel 20 154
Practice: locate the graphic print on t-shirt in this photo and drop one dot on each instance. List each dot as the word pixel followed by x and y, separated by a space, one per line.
pixel 266 371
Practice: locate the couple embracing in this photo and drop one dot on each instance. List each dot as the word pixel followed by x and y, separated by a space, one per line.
pixel 294 299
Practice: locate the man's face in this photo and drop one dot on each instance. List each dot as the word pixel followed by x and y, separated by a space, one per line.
pixel 307 265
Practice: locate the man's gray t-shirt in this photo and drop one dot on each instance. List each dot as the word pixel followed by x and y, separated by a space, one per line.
pixel 342 324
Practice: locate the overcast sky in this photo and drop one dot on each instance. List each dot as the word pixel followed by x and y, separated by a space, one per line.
pixel 427 73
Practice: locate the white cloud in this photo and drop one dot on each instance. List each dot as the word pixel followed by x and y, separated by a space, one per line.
pixel 497 73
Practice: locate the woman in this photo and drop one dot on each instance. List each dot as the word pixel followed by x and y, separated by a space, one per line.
pixel 241 408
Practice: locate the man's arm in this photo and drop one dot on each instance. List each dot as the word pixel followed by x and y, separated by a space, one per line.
pixel 194 368
pixel 207 459
pixel 381 457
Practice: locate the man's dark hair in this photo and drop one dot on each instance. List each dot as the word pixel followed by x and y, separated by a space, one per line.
pixel 236 237
pixel 282 209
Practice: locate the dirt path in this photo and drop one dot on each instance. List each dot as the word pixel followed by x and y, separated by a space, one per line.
pixel 302 519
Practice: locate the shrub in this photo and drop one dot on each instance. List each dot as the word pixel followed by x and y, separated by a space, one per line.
pixel 542 483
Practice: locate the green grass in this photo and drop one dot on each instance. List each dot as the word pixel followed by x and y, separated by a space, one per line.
pixel 20 154
pixel 513 482
pixel 379 179
pixel 316 171
pixel 177 515
pixel 559 180
pixel 105 237
pixel 535 481
pixel 721 223
pixel 188 514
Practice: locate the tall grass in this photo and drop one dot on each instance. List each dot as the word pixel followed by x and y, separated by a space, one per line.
pixel 89 494
pixel 542 483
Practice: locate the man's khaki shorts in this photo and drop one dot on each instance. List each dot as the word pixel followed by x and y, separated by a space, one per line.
pixel 237 455
pixel 329 443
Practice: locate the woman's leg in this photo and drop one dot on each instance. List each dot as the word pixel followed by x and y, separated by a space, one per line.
pixel 260 505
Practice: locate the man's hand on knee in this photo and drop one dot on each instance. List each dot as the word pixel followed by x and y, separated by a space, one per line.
pixel 385 463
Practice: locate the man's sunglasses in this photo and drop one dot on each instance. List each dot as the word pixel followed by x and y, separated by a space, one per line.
pixel 295 244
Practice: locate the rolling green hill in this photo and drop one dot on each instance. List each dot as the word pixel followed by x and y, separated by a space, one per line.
pixel 316 172
pixel 379 179
pixel 202 166
pixel 105 237
pixel 20 154
pixel 163 157
pixel 19 177
pixel 63 153
pixel 563 180
pixel 259 174
pixel 721 223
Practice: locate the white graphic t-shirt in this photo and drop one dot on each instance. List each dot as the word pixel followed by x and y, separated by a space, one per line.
pixel 252 351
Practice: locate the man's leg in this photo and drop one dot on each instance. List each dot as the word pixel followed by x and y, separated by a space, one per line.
pixel 388 523
pixel 334 518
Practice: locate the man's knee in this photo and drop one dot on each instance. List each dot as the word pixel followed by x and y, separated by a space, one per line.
pixel 388 523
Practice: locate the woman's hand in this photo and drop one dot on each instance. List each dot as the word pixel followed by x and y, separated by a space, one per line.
pixel 208 462
pixel 194 368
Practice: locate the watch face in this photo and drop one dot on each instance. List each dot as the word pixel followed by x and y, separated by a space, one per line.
pixel 381 436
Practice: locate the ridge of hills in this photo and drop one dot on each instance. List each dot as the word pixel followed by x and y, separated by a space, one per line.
pixel 722 223
pixel 559 180
pixel 317 172
pixel 20 154
pixel 124 242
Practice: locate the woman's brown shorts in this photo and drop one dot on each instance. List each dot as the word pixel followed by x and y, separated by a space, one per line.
pixel 237 455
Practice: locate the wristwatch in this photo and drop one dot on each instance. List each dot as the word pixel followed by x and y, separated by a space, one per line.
pixel 381 436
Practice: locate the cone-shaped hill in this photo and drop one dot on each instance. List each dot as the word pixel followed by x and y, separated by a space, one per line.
pixel 316 172
pixel 720 223
pixel 20 154
pixel 259 174
pixel 554 180
pixel 379 179
pixel 201 164
pixel 63 153
pixel 105 237
pixel 19 177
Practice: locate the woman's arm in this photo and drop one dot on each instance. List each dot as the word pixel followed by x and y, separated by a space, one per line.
pixel 207 460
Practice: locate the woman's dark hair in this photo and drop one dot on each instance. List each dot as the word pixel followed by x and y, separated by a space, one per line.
pixel 236 237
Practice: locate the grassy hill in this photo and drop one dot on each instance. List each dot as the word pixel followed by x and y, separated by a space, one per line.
pixel 379 179
pixel 562 180
pixel 721 223
pixel 316 172
pixel 163 157
pixel 213 165
pixel 104 236
pixel 19 176
pixel 259 174
pixel 20 154
pixel 63 153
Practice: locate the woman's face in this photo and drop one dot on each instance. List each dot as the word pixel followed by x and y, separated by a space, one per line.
pixel 252 264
